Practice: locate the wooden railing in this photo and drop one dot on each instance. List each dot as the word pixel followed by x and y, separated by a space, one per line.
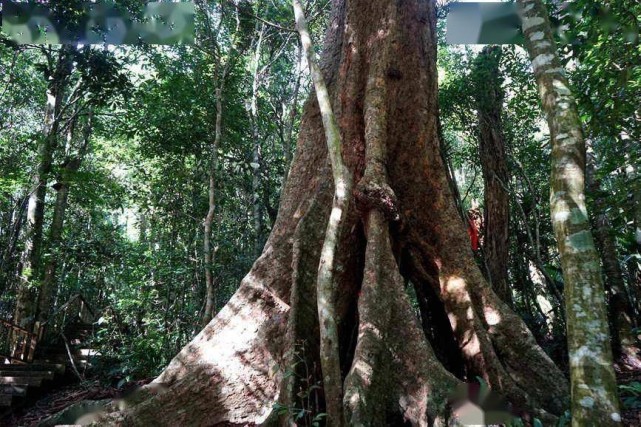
pixel 17 344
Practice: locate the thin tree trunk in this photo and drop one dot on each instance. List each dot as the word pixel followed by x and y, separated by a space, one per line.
pixel 535 257
pixel 71 165
pixel 594 394
pixel 220 73
pixel 9 254
pixel 636 199
pixel 489 97
pixel 634 265
pixel 535 242
pixel 252 109
pixel 327 283
pixel 208 252
pixel 619 308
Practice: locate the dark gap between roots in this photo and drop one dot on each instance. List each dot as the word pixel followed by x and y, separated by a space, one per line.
pixel 434 321
pixel 348 328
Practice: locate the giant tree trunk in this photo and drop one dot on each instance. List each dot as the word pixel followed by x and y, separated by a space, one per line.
pixel 489 98
pixel 379 62
pixel 594 394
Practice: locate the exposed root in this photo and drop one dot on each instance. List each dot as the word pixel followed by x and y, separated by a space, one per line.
pixel 303 317
pixel 425 385
pixel 229 373
pixel 478 351
pixel 434 320
pixel 526 361
pixel 494 341
pixel 365 389
pixel 392 354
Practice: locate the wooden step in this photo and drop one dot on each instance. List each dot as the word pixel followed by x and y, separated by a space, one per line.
pixel 36 366
pixel 22 381
pixel 47 375
pixel 13 390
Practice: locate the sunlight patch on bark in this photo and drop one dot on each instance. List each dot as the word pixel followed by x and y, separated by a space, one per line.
pixel 560 86
pixel 455 285
pixel 492 317
pixel 537 35
pixel 541 61
pixel 531 22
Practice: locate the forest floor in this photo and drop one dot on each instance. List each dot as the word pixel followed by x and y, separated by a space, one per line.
pixel 56 401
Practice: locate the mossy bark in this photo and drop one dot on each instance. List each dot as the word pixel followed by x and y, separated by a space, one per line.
pixel 594 396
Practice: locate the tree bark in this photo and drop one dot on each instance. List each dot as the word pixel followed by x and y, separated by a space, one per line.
pixel 635 184
pixel 634 263
pixel 288 137
pixel 489 98
pixel 221 72
pixel 594 395
pixel 71 165
pixel 402 225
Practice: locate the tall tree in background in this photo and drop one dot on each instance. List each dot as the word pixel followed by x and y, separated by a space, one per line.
pixel 57 70
pixel 379 62
pixel 620 313
pixel 252 111
pixel 223 61
pixel 593 382
pixel 604 39
pixel 208 250
pixel 75 149
pixel 79 79
pixel 489 98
